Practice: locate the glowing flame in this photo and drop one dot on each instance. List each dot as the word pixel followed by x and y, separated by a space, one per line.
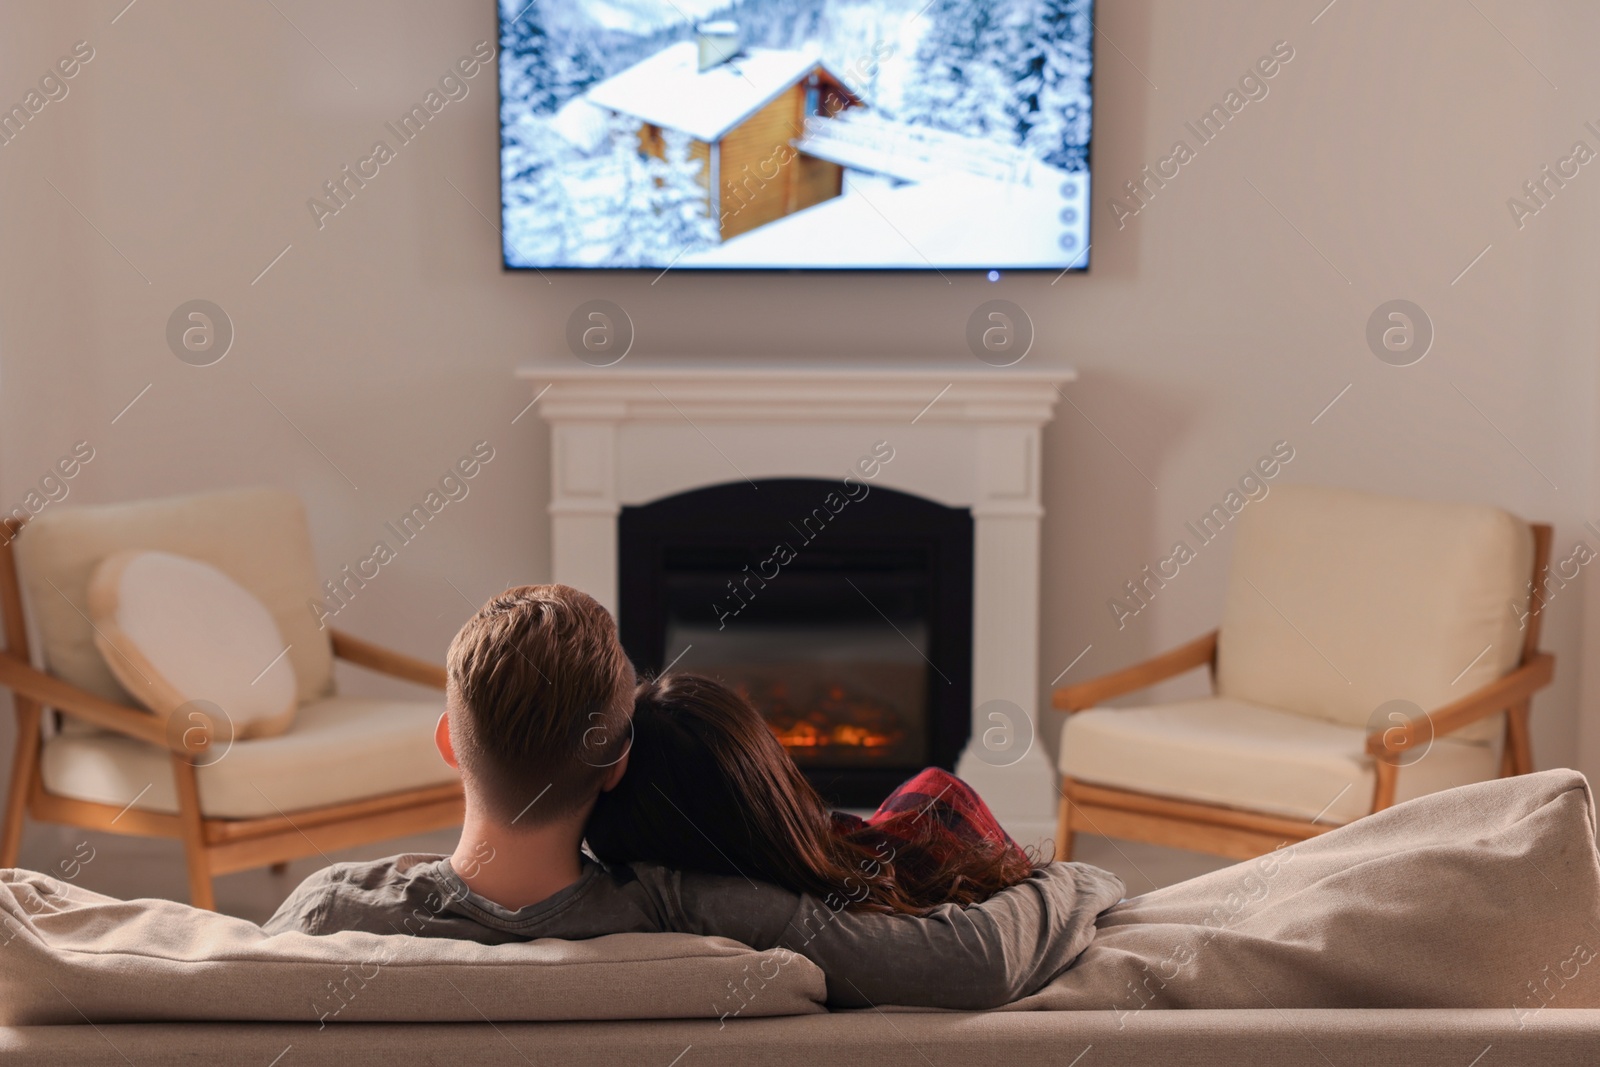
pixel 836 721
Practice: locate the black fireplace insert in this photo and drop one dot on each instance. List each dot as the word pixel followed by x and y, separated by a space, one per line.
pixel 842 610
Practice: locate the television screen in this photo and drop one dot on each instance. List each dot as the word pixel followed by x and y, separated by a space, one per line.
pixel 796 134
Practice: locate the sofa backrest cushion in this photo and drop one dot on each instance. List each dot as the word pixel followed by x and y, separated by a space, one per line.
pixel 1339 601
pixel 258 537
pixel 68 951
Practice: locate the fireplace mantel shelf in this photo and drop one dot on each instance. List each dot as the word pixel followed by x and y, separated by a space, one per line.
pixel 817 371
pixel 831 392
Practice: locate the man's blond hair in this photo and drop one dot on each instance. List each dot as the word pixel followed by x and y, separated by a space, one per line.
pixel 541 697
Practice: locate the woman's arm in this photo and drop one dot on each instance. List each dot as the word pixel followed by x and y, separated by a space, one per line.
pixel 968 958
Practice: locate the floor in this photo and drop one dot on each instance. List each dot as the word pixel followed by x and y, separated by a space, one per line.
pixel 1145 867
pixel 136 867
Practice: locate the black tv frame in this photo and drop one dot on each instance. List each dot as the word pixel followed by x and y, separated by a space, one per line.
pixel 993 272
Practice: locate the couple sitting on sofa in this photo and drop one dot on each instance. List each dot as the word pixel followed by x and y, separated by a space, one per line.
pixel 1486 895
pixel 704 825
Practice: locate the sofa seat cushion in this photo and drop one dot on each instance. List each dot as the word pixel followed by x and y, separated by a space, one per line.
pixel 1230 752
pixel 339 749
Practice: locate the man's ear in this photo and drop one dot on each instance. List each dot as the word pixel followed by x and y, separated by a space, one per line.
pixel 615 772
pixel 441 740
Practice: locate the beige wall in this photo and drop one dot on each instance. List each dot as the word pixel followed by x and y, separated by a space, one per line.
pixel 1213 325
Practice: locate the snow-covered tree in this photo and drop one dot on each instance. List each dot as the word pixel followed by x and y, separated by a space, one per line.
pixel 661 208
pixel 528 61
pixel 577 68
pixel 680 202
pixel 776 23
pixel 965 78
pixel 538 211
pixel 1052 101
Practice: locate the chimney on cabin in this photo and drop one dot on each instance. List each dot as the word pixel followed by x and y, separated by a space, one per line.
pixel 718 42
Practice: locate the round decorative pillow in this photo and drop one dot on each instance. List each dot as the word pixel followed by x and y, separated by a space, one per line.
pixel 175 630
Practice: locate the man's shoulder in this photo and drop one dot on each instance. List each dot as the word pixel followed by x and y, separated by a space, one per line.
pixel 329 899
pixel 393 874
pixel 407 866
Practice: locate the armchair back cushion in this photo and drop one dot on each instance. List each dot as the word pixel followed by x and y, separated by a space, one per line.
pixel 1339 601
pixel 258 537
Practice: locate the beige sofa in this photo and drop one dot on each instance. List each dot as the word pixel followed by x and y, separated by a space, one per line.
pixel 1458 929
pixel 1251 1038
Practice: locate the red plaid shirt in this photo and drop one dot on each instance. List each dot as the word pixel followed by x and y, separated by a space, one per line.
pixel 928 820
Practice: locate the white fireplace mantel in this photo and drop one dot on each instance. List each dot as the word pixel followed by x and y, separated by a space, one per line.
pixel 634 433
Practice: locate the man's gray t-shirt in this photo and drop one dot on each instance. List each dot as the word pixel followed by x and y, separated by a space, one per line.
pixel 971 957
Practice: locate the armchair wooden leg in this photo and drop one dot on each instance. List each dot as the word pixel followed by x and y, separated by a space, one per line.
pixel 1388 774
pixel 194 841
pixel 23 762
pixel 1066 837
pixel 1519 740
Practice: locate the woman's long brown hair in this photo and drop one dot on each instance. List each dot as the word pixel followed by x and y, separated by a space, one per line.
pixel 709 788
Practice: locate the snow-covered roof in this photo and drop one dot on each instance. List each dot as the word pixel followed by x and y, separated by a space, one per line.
pixel 671 91
pixel 581 123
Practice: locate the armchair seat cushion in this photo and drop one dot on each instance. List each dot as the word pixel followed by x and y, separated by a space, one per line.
pixel 339 749
pixel 1230 752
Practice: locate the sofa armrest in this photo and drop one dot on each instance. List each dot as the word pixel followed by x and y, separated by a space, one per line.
pixel 1492 699
pixel 1197 653
pixel 21 677
pixel 387 661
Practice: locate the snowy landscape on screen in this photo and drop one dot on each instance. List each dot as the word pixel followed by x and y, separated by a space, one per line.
pixel 796 134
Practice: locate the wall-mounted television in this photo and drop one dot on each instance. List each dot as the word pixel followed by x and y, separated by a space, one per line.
pixel 796 134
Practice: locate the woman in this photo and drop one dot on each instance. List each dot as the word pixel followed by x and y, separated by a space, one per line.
pixel 709 788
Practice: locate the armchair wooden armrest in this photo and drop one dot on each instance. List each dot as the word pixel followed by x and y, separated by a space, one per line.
pixel 1197 653
pixel 387 661
pixel 22 678
pixel 1499 695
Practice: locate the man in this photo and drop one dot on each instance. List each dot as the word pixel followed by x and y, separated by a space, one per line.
pixel 537 712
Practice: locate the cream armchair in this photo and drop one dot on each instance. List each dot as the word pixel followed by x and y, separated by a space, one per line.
pixel 1338 603
pixel 349 771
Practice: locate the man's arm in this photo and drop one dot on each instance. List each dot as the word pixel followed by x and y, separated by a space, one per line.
pixel 968 958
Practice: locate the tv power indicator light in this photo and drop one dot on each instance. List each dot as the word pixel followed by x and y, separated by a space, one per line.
pixel 994 276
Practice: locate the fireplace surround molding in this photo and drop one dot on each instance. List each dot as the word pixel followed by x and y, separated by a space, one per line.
pixel 635 433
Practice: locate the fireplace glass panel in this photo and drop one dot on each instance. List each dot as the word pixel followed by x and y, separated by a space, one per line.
pixel 840 695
